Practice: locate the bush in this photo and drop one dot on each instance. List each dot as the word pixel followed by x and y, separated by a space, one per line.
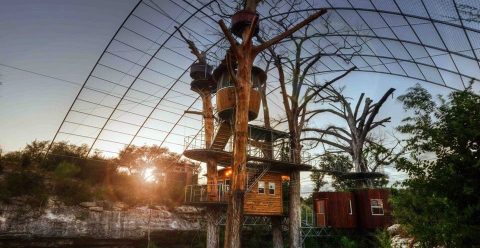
pixel 66 170
pixel 345 242
pixel 72 192
pixel 24 183
pixel 383 239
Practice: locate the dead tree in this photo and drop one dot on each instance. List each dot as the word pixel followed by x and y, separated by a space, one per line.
pixel 296 109
pixel 276 221
pixel 303 89
pixel 245 53
pixel 359 123
pixel 208 119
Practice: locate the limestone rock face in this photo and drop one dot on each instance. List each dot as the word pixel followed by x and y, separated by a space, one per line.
pixel 59 221
pixel 400 238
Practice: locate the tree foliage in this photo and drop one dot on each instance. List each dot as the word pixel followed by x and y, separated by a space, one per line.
pixel 440 204
pixel 72 177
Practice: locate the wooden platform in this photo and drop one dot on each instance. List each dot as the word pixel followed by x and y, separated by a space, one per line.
pixel 225 158
pixel 207 203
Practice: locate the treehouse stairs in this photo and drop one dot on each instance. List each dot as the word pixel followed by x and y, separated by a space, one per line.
pixel 222 136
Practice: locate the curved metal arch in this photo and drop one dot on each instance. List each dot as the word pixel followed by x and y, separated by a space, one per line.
pixel 447 51
pixel 432 20
pixel 396 74
pixel 402 60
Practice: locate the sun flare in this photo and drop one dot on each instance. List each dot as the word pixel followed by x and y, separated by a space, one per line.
pixel 149 175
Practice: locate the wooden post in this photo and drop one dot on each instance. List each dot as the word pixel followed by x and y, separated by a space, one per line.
pixel 212 215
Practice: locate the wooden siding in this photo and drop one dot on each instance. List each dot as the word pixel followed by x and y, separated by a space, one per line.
pixel 368 220
pixel 337 209
pixel 226 103
pixel 262 204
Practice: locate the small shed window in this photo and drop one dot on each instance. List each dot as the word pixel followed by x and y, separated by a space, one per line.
pixel 261 187
pixel 350 211
pixel 377 206
pixel 271 188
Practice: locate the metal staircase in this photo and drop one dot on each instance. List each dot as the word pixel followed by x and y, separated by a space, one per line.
pixel 223 134
pixel 258 174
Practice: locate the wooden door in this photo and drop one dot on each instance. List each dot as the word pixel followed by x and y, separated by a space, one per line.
pixel 321 206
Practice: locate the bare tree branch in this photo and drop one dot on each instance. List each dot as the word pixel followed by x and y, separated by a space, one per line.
pixel 276 39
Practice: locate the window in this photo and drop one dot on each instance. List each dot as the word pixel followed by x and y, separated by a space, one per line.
pixel 261 187
pixel 271 188
pixel 350 211
pixel 376 206
pixel 227 184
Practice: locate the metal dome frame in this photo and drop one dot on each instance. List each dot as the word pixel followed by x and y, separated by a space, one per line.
pixel 159 97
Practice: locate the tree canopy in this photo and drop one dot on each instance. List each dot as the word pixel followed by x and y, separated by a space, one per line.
pixel 440 204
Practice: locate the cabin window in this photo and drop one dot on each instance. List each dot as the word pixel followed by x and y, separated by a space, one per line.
pixel 271 188
pixel 350 211
pixel 377 206
pixel 227 185
pixel 261 187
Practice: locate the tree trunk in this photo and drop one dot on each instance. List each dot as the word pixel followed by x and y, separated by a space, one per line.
pixel 277 232
pixel 209 133
pixel 239 170
pixel 294 192
pixel 294 210
pixel 212 216
pixel 212 228
pixel 233 229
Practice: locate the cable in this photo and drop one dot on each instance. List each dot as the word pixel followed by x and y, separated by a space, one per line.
pixel 41 74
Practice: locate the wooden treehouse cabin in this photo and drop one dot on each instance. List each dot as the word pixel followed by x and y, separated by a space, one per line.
pixel 359 209
pixel 268 151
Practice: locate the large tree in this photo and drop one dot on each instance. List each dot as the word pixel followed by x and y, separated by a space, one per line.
pixel 440 205
pixel 298 88
pixel 353 136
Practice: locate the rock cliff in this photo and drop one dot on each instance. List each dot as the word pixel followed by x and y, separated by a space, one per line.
pixel 93 220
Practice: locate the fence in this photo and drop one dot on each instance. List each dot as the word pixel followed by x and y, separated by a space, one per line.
pixel 206 193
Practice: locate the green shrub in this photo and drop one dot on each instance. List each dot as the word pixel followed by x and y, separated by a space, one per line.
pixel 383 239
pixel 66 170
pixel 346 242
pixel 24 183
pixel 72 192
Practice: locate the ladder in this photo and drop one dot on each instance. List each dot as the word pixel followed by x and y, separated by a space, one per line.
pixel 222 136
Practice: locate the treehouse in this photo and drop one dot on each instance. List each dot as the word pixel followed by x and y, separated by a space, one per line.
pixel 202 80
pixel 241 20
pixel 226 92
pixel 263 197
pixel 268 150
pixel 268 161
pixel 362 209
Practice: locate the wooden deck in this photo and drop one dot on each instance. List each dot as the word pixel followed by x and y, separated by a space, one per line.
pixel 225 158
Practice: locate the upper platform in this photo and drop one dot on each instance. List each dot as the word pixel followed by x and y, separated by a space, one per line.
pixel 225 158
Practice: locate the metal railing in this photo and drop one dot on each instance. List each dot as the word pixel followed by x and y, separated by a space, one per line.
pixel 278 150
pixel 198 193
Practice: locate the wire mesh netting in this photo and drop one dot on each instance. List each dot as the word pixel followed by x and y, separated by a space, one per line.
pixel 139 89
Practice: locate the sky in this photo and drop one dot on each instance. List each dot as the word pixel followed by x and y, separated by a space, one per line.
pixel 61 39
pixel 49 47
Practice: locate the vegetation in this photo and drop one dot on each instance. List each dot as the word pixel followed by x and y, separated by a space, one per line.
pixel 71 177
pixel 440 204
pixel 28 184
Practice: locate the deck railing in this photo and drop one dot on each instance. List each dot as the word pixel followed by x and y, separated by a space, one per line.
pixel 199 193
pixel 279 150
